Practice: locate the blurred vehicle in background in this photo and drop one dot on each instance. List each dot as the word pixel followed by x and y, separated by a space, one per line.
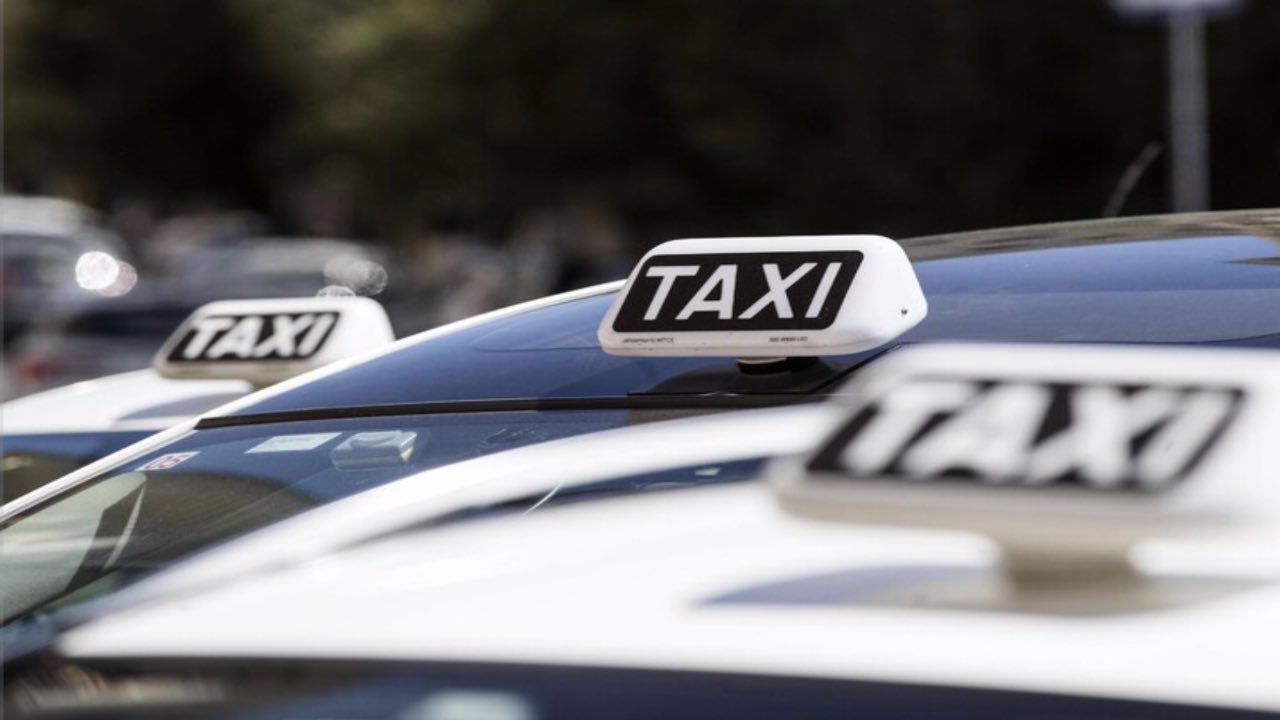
pixel 284 267
pixel 96 336
pixel 52 433
pixel 90 340
pixel 55 254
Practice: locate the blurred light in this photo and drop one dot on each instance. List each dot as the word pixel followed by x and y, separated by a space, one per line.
pixel 336 291
pixel 124 282
pixel 96 270
pixel 365 277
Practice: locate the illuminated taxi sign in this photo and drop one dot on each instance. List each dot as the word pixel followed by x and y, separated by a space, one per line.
pixel 265 341
pixel 765 297
pixel 1064 455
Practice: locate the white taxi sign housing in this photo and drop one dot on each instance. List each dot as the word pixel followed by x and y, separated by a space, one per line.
pixel 1065 456
pixel 765 297
pixel 266 341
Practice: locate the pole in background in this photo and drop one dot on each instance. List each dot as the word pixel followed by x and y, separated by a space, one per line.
pixel 1188 96
pixel 1188 113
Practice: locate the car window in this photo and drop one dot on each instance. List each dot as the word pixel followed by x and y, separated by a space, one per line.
pixel 213 484
pixel 676 478
pixel 31 461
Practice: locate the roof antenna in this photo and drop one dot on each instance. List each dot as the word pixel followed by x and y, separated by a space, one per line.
pixel 1130 177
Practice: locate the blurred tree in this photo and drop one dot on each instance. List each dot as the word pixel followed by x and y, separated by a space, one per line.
pixel 721 116
pixel 162 97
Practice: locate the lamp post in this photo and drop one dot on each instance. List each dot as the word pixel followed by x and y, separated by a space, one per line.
pixel 1188 113
pixel 1188 104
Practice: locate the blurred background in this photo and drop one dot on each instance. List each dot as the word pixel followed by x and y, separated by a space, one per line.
pixel 451 156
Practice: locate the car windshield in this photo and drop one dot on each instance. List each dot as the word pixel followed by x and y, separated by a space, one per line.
pixel 31 461
pixel 248 689
pixel 210 485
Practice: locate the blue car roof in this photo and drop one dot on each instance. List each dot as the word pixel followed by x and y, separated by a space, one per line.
pixel 1208 278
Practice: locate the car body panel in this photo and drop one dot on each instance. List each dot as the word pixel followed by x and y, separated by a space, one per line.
pixel 721 580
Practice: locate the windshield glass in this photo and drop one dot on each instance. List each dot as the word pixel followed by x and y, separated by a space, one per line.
pixel 213 484
pixel 30 461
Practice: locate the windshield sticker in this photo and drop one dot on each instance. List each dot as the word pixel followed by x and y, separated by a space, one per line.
pixel 170 460
pixel 376 449
pixel 292 443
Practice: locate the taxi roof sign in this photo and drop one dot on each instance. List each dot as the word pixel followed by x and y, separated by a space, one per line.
pixel 765 297
pixel 1064 455
pixel 268 340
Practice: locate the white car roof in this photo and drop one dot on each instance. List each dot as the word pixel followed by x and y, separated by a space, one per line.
pixel 721 579
pixel 140 400
pixel 718 579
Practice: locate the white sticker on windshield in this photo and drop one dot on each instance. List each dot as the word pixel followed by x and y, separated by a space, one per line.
pixel 164 462
pixel 292 443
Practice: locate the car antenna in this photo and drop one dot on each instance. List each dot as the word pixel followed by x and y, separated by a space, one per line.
pixel 1130 177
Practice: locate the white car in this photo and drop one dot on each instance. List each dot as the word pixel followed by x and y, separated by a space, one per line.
pixel 974 532
pixel 53 433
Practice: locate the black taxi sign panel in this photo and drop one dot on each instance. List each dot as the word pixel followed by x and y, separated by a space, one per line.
pixel 738 291
pixel 1025 434
pixel 265 337
pixel 265 341
pixel 751 297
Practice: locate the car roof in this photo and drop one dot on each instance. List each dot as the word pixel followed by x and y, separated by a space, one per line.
pixel 1263 222
pixel 720 579
pixel 1206 278
pixel 139 400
